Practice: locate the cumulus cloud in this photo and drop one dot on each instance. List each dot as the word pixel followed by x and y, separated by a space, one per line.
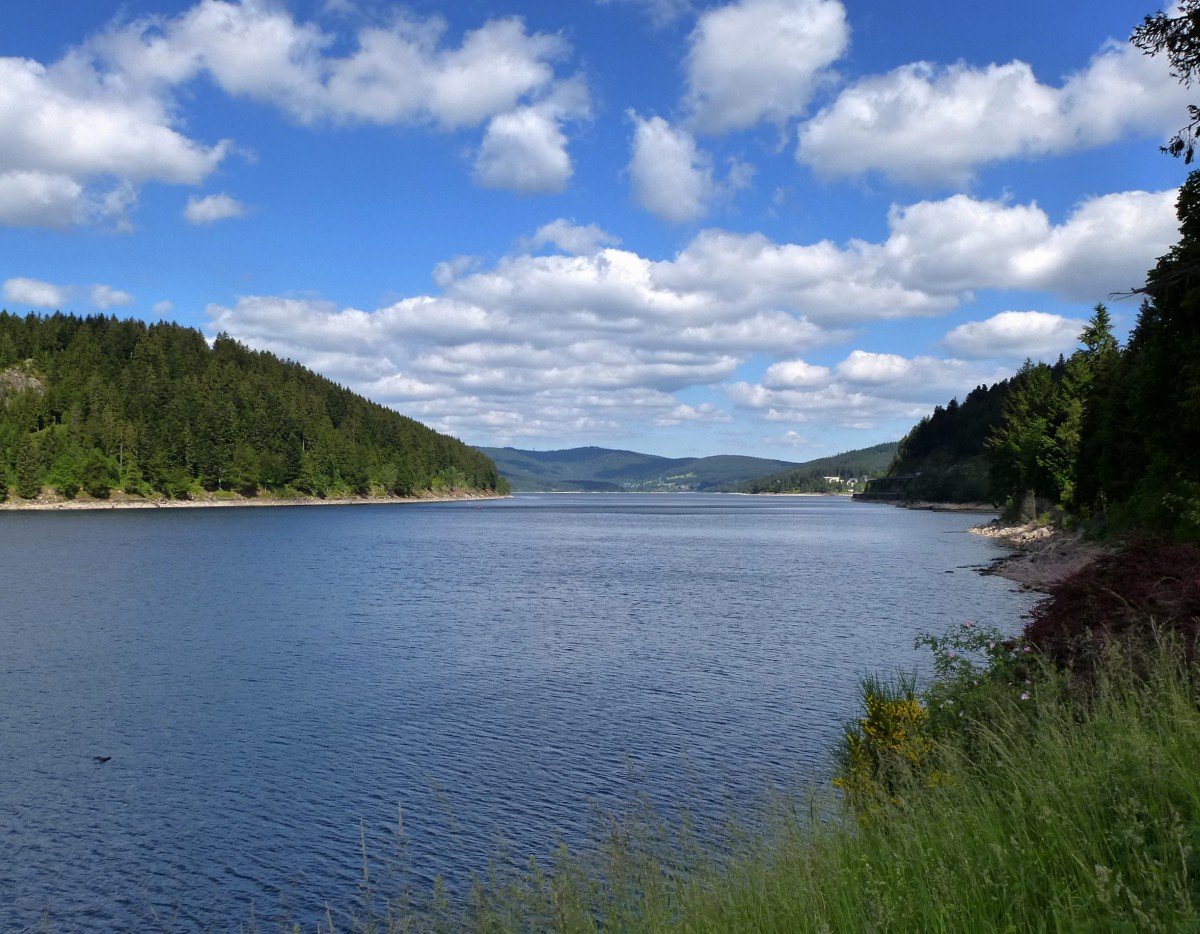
pixel 756 60
pixel 831 284
pixel 671 177
pixel 591 334
pixel 212 208
pixel 69 129
pixel 833 404
pixel 918 377
pixel 1015 334
pixel 524 150
pixel 865 390
pixel 33 293
pixel 79 135
pixel 105 296
pixel 705 413
pixel 961 243
pixel 790 439
pixel 933 125
pixel 404 72
pixel 790 374
pixel 578 240
pixel 36 199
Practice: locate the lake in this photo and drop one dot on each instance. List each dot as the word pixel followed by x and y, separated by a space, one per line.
pixel 268 681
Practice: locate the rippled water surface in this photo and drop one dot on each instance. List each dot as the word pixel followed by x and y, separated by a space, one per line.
pixel 266 679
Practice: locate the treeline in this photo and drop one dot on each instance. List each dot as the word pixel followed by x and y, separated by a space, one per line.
pixel 1117 436
pixel 810 477
pixel 1110 435
pixel 99 404
pixel 944 458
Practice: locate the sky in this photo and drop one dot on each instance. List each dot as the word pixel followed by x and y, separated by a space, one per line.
pixel 784 228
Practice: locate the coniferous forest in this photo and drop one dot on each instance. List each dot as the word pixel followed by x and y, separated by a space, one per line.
pixel 1109 436
pixel 98 404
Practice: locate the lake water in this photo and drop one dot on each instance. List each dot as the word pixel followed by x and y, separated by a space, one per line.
pixel 266 679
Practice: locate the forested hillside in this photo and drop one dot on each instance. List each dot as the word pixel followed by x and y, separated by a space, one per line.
pixel 1110 435
pixel 811 476
pixel 944 457
pixel 604 470
pixel 1117 437
pixel 99 404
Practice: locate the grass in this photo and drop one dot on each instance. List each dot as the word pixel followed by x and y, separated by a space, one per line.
pixel 1052 805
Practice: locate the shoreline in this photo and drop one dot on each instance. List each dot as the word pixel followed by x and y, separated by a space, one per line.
pixel 1041 555
pixel 53 502
pixel 927 505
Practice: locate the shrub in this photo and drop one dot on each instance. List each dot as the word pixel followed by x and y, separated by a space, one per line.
pixel 1149 586
pixel 885 750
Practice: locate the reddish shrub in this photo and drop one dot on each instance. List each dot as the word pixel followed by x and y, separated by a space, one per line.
pixel 1148 585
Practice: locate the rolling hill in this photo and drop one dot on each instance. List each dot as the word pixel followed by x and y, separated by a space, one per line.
pixel 593 469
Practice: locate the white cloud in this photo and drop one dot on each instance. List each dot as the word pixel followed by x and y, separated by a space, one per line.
pixel 68 130
pixel 74 120
pixel 660 12
pixel 705 413
pixel 571 238
pixel 105 296
pixel 756 60
pixel 1106 245
pixel 865 390
pixel 212 208
pixel 524 150
pixel 829 284
pixel 1015 334
pixel 790 439
pixel 163 308
pixel 672 179
pixel 833 404
pixel 78 136
pixel 35 199
pixel 935 126
pixel 33 293
pixel 401 73
pixel 598 335
pixel 794 374
pixel 865 369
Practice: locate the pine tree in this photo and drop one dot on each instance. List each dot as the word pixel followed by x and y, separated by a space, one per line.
pixel 29 469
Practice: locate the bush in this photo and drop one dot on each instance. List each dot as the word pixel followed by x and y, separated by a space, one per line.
pixel 885 750
pixel 1149 586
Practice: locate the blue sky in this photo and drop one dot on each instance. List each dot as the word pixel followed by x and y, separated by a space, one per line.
pixel 773 227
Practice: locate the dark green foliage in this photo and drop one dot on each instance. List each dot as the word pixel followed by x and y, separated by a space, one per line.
pixel 28 468
pixel 942 459
pixel 1024 447
pixel 1179 37
pixel 1161 384
pixel 1109 436
pixel 810 477
pixel 97 404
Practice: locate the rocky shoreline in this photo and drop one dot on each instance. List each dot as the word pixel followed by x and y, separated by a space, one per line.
pixel 1041 556
pixel 54 501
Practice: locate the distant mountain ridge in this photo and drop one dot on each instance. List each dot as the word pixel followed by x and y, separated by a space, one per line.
pixel 604 470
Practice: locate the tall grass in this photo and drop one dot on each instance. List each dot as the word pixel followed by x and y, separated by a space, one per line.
pixel 1074 809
